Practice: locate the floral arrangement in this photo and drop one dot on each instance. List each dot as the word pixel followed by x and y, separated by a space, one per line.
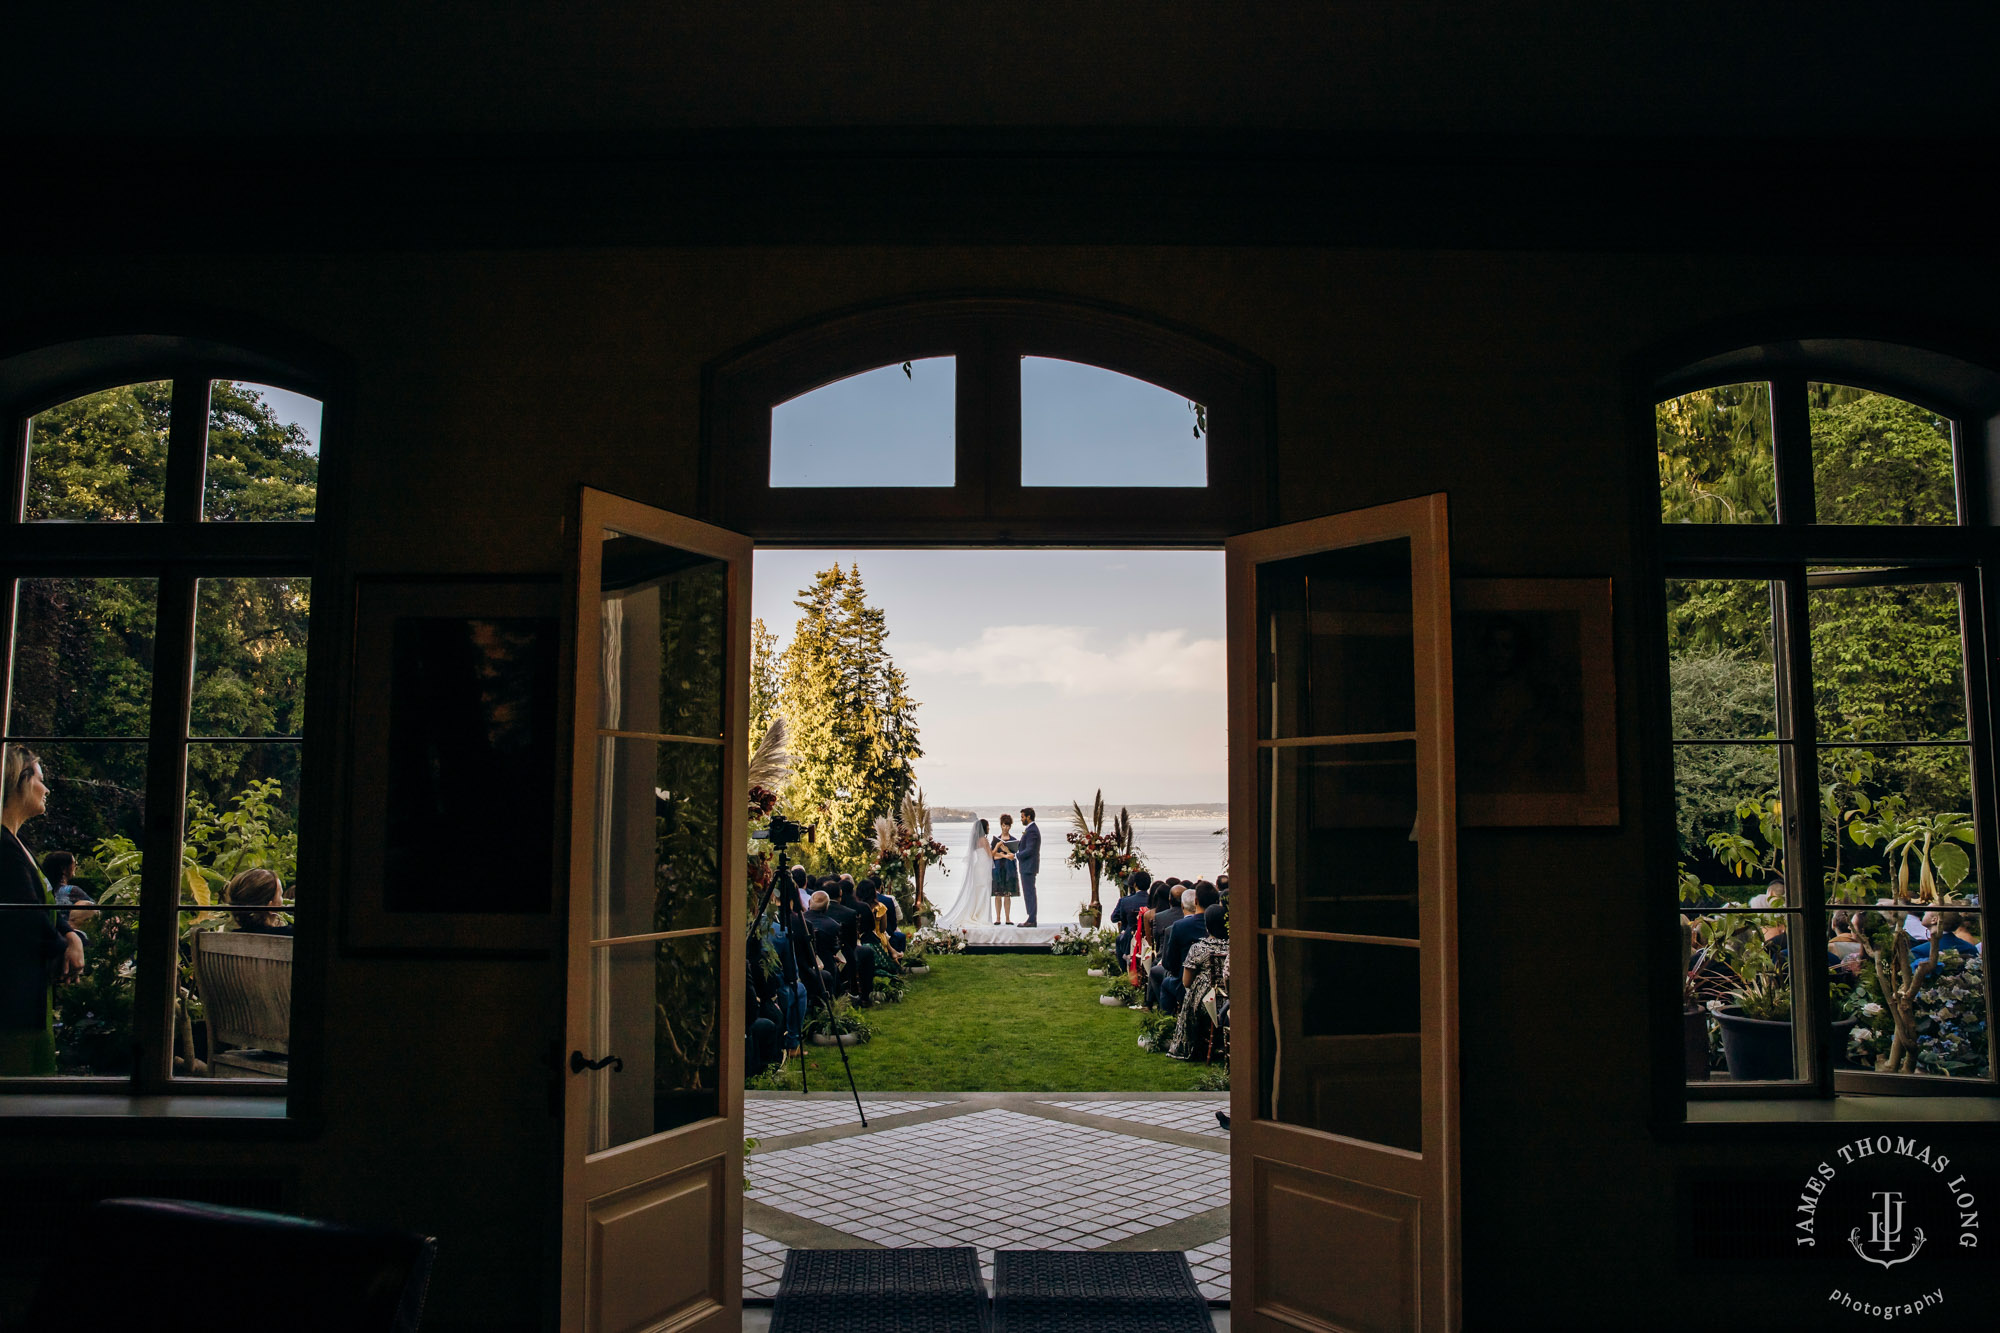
pixel 936 940
pixel 1121 988
pixel 1073 940
pixel 1950 1019
pixel 1098 850
pixel 840 1017
pixel 890 988
pixel 1155 1031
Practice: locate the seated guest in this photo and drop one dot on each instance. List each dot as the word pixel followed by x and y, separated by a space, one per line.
pixel 1959 926
pixel 802 885
pixel 256 896
pixel 872 924
pixel 761 1040
pixel 1202 974
pixel 1143 954
pixel 1167 991
pixel 1222 884
pixel 1125 915
pixel 889 916
pixel 1163 921
pixel 791 970
pixel 1947 935
pixel 858 977
pixel 824 928
pixel 59 868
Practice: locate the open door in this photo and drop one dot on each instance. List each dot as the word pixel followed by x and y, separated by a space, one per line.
pixel 1344 1170
pixel 653 1110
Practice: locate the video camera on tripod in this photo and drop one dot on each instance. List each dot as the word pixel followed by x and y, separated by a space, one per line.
pixel 781 833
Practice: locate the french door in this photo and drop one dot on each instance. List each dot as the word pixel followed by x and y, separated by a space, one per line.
pixel 1342 822
pixel 653 1109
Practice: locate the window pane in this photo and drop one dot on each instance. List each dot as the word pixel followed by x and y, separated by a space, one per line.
pixel 250 657
pixel 1715 456
pixel 242 814
pixel 83 657
pixel 1342 1034
pixel 233 1006
pixel 1720 661
pixel 1336 651
pixel 1888 663
pixel 1878 459
pixel 1339 827
pixel 1944 1031
pixel 101 457
pixel 1738 974
pixel 656 1006
pixel 665 616
pixel 1896 823
pixel 1727 813
pixel 894 426
pixel 263 454
pixel 93 1014
pixel 1087 426
pixel 97 791
pixel 659 819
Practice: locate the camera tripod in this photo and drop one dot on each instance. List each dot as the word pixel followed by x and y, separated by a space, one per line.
pixel 782 875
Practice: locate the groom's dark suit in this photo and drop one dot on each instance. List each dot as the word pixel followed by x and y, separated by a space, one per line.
pixel 1028 860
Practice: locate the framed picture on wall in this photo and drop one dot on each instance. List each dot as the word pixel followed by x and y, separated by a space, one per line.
pixel 452 781
pixel 1536 702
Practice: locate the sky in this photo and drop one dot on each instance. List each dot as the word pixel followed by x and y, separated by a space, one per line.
pixel 291 408
pixel 1044 675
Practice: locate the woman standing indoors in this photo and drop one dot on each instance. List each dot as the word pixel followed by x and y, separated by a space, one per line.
pixel 34 953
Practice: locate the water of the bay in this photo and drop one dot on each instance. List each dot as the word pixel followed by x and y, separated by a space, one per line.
pixel 1189 848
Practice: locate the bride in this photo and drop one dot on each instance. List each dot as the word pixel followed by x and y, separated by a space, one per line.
pixel 969 907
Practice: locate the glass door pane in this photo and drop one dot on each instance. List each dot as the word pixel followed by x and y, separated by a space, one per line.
pixel 657 873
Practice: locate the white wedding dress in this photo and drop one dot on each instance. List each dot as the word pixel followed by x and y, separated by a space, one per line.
pixel 975 890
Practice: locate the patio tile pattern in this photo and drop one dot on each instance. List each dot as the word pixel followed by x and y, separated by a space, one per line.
pixel 1190 1117
pixel 763 1265
pixel 1210 1263
pixel 770 1118
pixel 993 1178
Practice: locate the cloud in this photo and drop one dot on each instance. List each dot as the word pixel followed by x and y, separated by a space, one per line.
pixel 1072 659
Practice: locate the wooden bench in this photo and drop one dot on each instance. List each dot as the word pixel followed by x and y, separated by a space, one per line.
pixel 245 983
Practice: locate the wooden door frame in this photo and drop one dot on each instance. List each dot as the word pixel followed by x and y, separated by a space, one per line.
pixel 1254 1141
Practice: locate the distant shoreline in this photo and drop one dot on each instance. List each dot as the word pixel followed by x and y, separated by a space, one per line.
pixel 1052 814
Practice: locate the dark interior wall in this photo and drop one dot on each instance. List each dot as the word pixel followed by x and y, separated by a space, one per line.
pixel 487 386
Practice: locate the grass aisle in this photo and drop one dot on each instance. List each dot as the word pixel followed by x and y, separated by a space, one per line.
pixel 1001 1023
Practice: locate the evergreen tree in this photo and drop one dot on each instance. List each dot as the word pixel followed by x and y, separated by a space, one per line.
pixel 851 718
pixel 766 689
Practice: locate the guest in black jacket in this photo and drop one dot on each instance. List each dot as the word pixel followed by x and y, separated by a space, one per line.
pixel 34 953
pixel 1125 915
pixel 858 977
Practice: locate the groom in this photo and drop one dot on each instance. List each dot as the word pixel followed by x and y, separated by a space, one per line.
pixel 1028 860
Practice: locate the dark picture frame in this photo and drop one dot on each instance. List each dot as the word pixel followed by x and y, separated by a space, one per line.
pixel 454 826
pixel 1536 702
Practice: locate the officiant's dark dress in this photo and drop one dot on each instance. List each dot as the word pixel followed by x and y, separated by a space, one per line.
pixel 1006 875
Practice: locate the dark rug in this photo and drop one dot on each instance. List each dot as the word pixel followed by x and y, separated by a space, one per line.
pixel 894 1291
pixel 1097 1291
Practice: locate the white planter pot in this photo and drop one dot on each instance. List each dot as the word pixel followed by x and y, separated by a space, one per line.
pixel 1094 972
pixel 918 969
pixel 1111 999
pixel 845 1039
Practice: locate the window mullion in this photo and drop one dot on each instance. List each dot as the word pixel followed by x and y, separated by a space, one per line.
pixel 187 450
pixel 1804 882
pixel 1791 443
pixel 166 800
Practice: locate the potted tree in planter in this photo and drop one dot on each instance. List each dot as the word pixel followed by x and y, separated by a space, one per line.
pixel 1094 849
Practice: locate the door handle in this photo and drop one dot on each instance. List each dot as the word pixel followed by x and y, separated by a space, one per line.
pixel 578 1063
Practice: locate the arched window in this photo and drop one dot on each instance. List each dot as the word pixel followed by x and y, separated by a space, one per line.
pixel 159 543
pixel 1824 525
pixel 988 419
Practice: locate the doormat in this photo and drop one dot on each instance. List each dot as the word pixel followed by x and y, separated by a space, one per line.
pixel 1097 1291
pixel 893 1291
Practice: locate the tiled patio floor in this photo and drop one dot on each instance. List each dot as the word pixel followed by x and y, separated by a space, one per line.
pixel 991 1170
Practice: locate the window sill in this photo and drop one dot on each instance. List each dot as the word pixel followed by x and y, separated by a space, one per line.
pixel 1846 1109
pixel 236 1116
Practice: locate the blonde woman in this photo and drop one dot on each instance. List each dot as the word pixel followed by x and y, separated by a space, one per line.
pixel 34 952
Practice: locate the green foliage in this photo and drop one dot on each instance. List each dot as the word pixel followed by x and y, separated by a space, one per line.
pixel 766 688
pixel 1120 987
pixel 102 456
pixel 1214 1078
pixel 852 722
pixel 1878 459
pixel 1716 464
pixel 838 1018
pixel 1156 1029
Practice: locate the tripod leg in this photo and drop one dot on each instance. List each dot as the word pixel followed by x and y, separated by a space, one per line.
pixel 841 1046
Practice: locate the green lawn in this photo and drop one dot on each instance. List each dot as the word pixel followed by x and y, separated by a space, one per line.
pixel 1002 1023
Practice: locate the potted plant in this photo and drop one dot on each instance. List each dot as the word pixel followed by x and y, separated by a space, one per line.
pixel 1096 850
pixel 837 1024
pixel 1072 940
pixel 1120 992
pixel 890 988
pixel 917 959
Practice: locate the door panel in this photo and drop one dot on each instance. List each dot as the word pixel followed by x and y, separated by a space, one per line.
pixel 653 1133
pixel 1342 825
